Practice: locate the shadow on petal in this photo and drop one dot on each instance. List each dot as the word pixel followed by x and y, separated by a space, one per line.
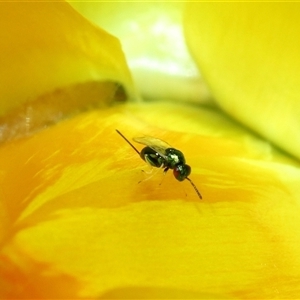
pixel 157 293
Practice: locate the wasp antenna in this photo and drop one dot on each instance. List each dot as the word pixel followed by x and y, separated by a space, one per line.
pixel 136 150
pixel 195 188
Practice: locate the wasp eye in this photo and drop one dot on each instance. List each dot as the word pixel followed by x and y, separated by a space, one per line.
pixel 181 172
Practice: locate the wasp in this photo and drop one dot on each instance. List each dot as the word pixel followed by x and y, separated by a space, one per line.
pixel 160 154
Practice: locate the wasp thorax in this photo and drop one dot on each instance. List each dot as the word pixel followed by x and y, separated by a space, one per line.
pixel 181 172
pixel 174 157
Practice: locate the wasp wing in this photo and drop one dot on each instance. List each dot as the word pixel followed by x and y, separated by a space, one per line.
pixel 156 144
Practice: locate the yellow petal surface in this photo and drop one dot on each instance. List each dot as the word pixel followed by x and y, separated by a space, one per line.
pixel 153 40
pixel 48 46
pixel 249 54
pixel 80 218
pixel 83 216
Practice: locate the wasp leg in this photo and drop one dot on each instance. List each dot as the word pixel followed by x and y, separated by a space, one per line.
pixel 149 170
pixel 149 174
pixel 165 172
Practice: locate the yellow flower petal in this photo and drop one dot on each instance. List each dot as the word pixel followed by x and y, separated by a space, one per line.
pixel 82 220
pixel 79 218
pixel 153 40
pixel 249 54
pixel 49 46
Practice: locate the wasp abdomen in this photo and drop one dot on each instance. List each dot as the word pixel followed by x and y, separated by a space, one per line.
pixel 152 157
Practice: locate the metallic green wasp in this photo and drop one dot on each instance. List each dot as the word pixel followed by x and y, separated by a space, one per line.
pixel 160 154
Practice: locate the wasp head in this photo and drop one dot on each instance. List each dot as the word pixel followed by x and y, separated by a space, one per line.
pixel 181 171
